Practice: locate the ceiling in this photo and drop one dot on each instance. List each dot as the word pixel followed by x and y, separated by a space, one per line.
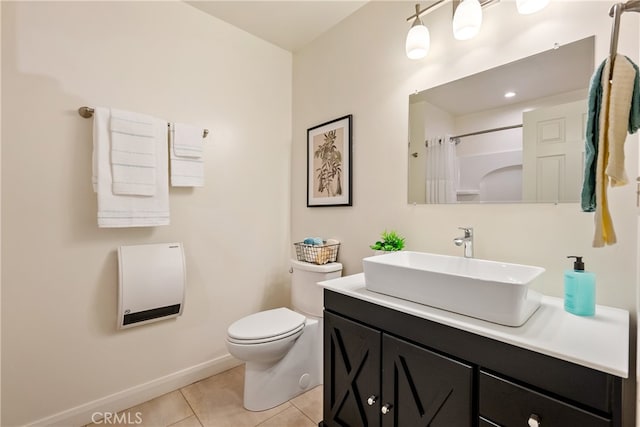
pixel 288 24
pixel 292 24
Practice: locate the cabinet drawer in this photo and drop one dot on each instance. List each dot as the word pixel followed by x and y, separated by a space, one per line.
pixel 486 423
pixel 507 404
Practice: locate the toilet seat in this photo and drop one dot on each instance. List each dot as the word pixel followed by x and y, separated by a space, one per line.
pixel 266 326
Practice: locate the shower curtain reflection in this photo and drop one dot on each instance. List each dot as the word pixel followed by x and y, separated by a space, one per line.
pixel 441 170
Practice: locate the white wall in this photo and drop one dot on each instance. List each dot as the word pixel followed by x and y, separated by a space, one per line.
pixel 437 121
pixel 60 349
pixel 360 68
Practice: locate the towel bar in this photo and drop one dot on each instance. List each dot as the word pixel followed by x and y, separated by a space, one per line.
pixel 615 12
pixel 87 112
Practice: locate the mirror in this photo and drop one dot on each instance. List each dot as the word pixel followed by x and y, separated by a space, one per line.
pixel 469 142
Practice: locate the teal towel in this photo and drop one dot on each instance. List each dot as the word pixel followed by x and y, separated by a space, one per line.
pixel 634 113
pixel 591 141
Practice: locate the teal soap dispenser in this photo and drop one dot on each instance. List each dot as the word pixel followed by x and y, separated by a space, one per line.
pixel 579 289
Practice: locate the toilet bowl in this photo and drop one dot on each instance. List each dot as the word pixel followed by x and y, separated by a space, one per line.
pixel 282 348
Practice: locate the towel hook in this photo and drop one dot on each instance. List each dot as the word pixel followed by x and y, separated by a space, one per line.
pixel 87 113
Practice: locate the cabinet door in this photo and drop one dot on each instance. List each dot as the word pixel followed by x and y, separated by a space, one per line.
pixel 351 373
pixel 421 388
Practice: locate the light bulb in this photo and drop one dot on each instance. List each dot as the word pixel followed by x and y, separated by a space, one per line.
pixel 467 20
pixel 525 7
pixel 418 41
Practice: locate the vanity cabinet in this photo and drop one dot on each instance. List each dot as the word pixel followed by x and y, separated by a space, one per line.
pixel 374 379
pixel 384 367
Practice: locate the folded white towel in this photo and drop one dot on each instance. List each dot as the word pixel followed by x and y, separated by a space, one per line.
pixel 115 210
pixel 188 140
pixel 133 153
pixel 185 148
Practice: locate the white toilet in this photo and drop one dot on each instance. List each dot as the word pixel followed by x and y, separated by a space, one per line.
pixel 282 348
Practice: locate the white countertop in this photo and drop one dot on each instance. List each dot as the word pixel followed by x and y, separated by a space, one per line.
pixel 600 342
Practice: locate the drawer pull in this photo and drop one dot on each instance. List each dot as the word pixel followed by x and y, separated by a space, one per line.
pixel 372 399
pixel 534 420
pixel 386 408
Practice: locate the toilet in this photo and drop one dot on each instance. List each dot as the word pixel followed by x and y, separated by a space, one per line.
pixel 282 348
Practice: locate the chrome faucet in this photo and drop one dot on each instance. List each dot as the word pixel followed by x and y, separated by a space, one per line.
pixel 466 240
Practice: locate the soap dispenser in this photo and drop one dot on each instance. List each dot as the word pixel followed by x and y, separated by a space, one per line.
pixel 579 289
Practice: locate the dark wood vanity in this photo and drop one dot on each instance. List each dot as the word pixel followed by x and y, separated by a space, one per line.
pixel 384 367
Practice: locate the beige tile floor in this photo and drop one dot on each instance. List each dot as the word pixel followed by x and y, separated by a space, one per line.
pixel 217 402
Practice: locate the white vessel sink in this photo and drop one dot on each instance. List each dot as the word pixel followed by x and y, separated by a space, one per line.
pixel 494 291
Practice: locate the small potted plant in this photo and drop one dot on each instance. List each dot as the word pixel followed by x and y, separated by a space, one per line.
pixel 390 241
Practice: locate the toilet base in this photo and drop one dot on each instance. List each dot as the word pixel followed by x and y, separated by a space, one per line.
pixel 267 385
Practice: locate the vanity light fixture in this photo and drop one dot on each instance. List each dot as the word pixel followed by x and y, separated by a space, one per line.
pixel 509 94
pixel 418 38
pixel 467 20
pixel 526 7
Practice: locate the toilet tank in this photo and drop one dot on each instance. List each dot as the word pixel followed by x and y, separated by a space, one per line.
pixel 306 294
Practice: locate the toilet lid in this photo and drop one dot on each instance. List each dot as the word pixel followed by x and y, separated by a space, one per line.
pixel 266 324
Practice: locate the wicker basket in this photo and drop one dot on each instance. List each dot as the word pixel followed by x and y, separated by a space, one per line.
pixel 317 254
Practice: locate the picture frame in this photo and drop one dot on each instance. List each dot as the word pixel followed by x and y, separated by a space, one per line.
pixel 329 163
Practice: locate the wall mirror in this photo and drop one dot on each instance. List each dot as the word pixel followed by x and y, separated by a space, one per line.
pixel 514 133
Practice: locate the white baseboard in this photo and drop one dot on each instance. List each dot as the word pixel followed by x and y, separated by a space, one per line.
pixel 81 415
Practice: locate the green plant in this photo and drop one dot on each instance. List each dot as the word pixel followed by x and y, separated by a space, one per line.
pixel 391 241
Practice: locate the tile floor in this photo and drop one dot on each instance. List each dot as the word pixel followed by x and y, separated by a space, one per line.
pixel 217 402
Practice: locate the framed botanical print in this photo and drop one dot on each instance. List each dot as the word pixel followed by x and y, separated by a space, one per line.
pixel 329 163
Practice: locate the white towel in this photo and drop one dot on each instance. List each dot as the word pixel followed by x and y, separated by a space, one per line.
pixel 620 96
pixel 188 140
pixel 115 210
pixel 604 233
pixel 185 148
pixel 133 153
pixel 613 127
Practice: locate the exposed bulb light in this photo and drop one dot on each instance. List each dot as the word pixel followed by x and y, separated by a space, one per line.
pixel 467 20
pixel 509 94
pixel 418 39
pixel 526 7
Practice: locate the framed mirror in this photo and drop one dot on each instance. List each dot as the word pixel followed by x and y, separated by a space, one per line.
pixel 514 133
